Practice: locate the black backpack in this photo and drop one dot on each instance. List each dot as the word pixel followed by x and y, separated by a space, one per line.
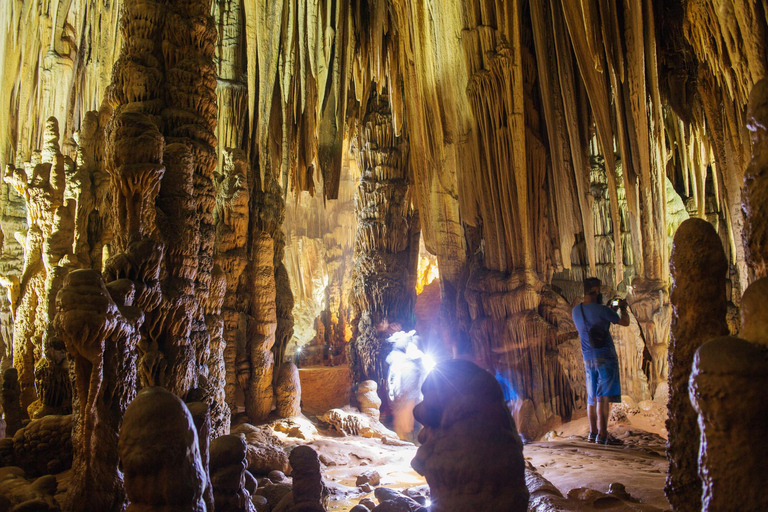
pixel 598 337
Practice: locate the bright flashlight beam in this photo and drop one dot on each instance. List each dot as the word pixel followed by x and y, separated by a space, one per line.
pixel 429 362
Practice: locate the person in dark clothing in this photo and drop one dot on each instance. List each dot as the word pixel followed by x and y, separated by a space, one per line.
pixel 601 364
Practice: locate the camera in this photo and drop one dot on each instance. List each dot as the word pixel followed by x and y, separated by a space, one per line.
pixel 615 303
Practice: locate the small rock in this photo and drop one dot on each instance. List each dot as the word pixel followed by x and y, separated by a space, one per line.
pixel 276 476
pixel 327 460
pixel 261 503
pixel 359 508
pixel 368 477
pixel 368 503
pixel 366 487
pixel 618 490
pixel 393 501
pixel 274 492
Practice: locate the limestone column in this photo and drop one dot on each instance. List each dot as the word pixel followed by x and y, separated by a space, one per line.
pixel 100 336
pixel 386 242
pixel 699 270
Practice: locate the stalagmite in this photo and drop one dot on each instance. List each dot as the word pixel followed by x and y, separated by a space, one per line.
pixel 288 391
pixel 467 425
pixel 158 445
pixel 308 487
pixel 10 401
pixel 368 400
pixel 201 416
pixel 699 268
pixel 101 337
pixel 228 464
pixel 726 385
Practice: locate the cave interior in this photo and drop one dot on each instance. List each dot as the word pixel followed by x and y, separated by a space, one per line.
pixel 330 255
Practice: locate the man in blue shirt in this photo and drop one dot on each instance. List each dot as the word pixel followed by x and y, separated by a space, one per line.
pixel 601 364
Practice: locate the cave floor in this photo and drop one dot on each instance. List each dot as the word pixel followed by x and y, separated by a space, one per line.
pixel 564 458
pixel 569 462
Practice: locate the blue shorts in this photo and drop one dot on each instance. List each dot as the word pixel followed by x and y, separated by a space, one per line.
pixel 602 380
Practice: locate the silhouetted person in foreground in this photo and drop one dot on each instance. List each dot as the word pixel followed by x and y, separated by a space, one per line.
pixel 601 364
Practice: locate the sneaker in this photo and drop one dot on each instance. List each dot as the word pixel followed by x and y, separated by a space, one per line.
pixel 592 437
pixel 609 440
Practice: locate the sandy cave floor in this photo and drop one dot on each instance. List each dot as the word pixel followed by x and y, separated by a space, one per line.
pixel 564 458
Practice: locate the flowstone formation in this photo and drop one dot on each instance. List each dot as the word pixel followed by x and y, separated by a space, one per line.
pixel 470 453
pixel 160 456
pixel 386 242
pixel 699 269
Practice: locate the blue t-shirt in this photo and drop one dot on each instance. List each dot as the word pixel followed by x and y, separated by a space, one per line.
pixel 595 314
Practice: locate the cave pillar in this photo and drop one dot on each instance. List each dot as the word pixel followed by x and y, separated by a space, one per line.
pixel 256 379
pixel 100 334
pixel 41 183
pixel 699 270
pixel 231 217
pixel 386 242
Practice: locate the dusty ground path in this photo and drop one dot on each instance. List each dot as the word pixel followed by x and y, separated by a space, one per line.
pixel 565 459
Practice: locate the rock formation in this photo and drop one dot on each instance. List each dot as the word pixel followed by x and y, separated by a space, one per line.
pixel 101 337
pixel 201 417
pixel 228 462
pixel 288 391
pixel 41 447
pixel 727 374
pixel 386 242
pixel 158 445
pixel 11 394
pixel 368 400
pixel 699 269
pixel 470 453
pixel 308 488
pixel 17 493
